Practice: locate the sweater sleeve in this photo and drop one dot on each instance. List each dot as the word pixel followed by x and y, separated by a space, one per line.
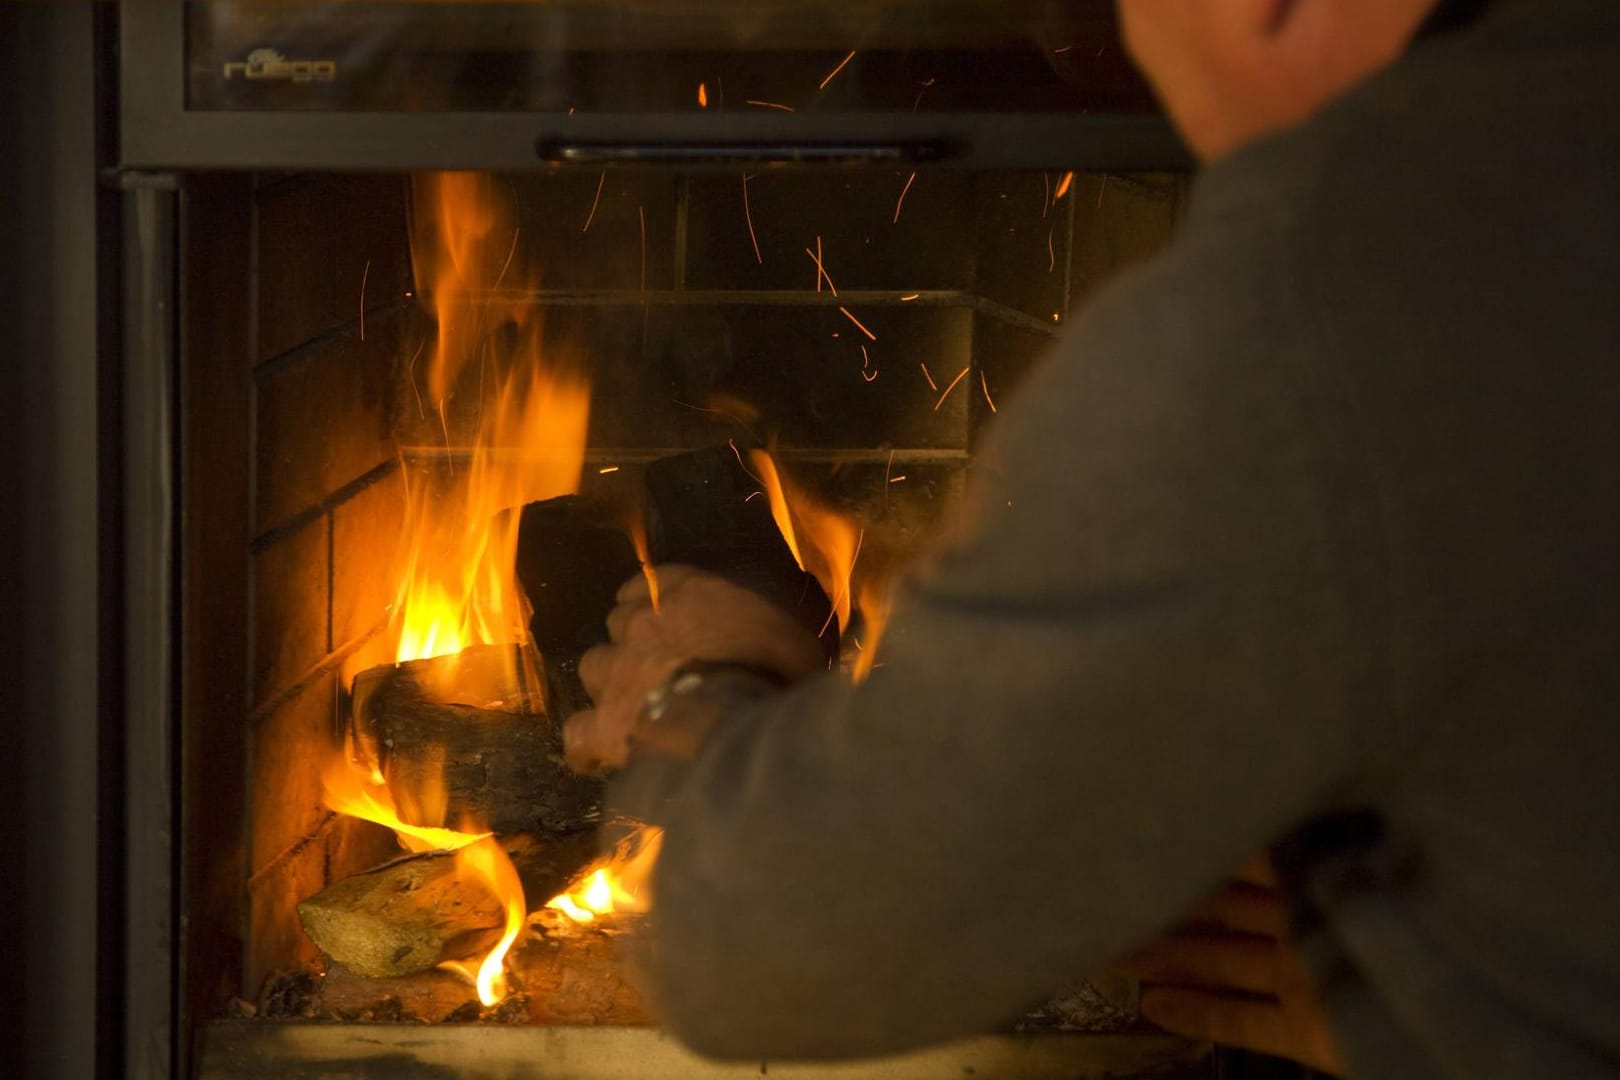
pixel 1136 658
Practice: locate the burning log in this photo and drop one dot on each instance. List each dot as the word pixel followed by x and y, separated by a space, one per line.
pixel 477 736
pixel 466 737
pixel 410 914
pixel 706 509
pixel 571 560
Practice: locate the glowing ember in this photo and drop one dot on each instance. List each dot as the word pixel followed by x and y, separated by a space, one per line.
pixel 703 96
pixel 1063 186
pixel 616 884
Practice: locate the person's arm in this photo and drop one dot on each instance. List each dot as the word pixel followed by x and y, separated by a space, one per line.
pixel 1140 658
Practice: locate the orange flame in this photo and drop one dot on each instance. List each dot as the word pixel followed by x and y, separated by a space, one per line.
pixel 489 863
pixel 618 883
pixel 456 588
pixel 359 792
pixel 875 603
pixel 764 467
pixel 831 541
pixel 638 539
pixel 352 790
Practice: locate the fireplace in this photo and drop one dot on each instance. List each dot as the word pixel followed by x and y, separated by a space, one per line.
pixel 852 296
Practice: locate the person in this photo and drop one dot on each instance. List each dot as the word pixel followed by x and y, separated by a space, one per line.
pixel 1304 539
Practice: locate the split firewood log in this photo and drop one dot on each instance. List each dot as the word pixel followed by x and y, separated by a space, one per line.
pixel 467 738
pixel 417 911
pixel 572 557
pixel 705 509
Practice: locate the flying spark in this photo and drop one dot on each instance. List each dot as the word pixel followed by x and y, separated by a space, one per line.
pixel 363 276
pixel 988 400
pixel 1063 186
pixel 959 377
pixel 821 269
pixel 600 180
pixel 932 385
pixel 769 105
pixel 748 215
pixel 902 200
pixel 858 324
pixel 833 74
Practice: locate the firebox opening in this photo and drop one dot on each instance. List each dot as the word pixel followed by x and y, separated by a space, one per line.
pixel 421 353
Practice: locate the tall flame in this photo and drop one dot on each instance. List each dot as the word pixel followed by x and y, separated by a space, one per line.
pixel 456 588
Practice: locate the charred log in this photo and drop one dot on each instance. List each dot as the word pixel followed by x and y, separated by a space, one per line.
pixel 466 738
pixel 706 510
pixel 572 557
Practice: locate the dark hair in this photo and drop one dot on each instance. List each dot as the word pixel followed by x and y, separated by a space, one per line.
pixel 1451 15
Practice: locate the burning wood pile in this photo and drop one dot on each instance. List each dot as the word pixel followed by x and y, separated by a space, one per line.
pixel 474 737
pixel 506 576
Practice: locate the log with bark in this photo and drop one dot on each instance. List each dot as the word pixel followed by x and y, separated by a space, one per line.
pixel 467 738
pixel 572 557
pixel 706 509
pixel 477 736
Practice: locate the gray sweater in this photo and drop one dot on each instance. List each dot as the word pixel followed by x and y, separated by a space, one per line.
pixel 1307 534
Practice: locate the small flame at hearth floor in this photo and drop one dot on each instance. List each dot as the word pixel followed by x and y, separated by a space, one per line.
pixel 618 883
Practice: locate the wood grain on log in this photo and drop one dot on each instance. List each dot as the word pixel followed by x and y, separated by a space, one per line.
pixel 464 738
pixel 414 912
pixel 403 917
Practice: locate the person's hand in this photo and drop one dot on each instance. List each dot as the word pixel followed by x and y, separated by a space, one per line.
pixel 1230 975
pixel 698 616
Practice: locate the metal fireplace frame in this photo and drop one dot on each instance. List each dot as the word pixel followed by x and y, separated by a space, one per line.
pixel 99 760
pixel 158 131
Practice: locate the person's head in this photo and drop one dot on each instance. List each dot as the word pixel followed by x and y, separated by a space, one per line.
pixel 1229 71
